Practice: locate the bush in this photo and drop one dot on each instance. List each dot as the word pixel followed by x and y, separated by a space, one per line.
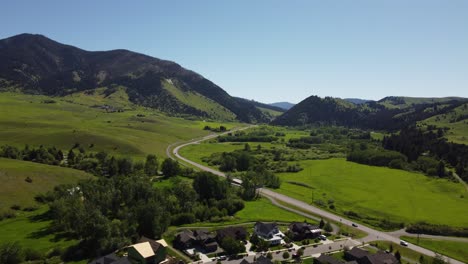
pixel 15 207
pixel 285 255
pixel 11 253
pixel 32 254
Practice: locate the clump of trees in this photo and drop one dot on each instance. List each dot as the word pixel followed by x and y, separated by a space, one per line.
pixel 429 151
pixel 108 213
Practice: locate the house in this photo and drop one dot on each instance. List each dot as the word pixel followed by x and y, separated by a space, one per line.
pixel 327 259
pixel 141 253
pixel 198 238
pixel 184 240
pixel 269 232
pixel 300 231
pixel 111 259
pixel 355 254
pixel 159 248
pixel 234 232
pixel 263 260
pixel 379 258
pixel 206 240
pixel 363 257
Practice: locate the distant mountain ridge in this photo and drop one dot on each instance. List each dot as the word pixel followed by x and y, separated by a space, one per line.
pixel 37 64
pixel 283 105
pixel 389 113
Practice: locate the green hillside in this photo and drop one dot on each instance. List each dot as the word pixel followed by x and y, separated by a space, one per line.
pixel 198 101
pixel 15 190
pixel 62 122
pixel 457 122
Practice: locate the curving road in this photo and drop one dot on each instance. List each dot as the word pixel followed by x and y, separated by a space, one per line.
pixel 373 234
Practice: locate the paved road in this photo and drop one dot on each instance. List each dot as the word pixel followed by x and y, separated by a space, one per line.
pixel 373 234
pixel 308 251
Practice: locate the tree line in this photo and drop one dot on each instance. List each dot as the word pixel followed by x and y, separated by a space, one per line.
pixel 97 163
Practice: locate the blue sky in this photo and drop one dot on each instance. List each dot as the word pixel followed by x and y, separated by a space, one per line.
pixel 275 50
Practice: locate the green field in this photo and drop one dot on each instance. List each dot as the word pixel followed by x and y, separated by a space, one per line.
pixel 27 119
pixel 16 191
pixel 379 192
pixel 31 230
pixel 454 249
pixel 263 210
pixel 259 210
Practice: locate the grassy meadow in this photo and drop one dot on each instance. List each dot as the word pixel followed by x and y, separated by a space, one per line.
pixel 16 191
pixel 32 230
pixel 136 132
pixel 454 249
pixel 456 122
pixel 379 192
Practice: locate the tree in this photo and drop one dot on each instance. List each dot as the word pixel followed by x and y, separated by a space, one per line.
pixel 232 246
pixel 322 223
pixel 398 256
pixel 269 255
pixel 441 169
pixel 285 255
pixel 151 165
pixel 328 227
pixel 71 157
pixel 11 253
pixel 254 239
pixel 300 252
pixel 246 147
pixel 170 168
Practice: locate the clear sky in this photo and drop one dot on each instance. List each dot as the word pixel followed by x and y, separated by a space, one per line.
pixel 274 50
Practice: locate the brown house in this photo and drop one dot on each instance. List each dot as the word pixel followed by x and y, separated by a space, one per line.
pixel 235 232
pixel 300 231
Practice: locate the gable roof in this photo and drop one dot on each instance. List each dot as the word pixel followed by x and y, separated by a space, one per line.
pixel 382 258
pixel 357 253
pixel 326 259
pixel 154 244
pixel 263 260
pixel 265 228
pixel 233 231
pixel 185 236
pixel 107 259
pixel 111 259
pixel 144 249
pixel 244 261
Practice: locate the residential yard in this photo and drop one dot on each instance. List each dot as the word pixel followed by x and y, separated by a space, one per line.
pixel 404 251
pixel 454 249
pixel 378 192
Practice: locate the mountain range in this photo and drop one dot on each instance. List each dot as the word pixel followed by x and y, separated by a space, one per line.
pixel 36 64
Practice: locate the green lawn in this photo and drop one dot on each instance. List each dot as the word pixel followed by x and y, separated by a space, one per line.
pixel 404 251
pixel 16 191
pixel 259 210
pixel 379 192
pixel 454 249
pixel 26 119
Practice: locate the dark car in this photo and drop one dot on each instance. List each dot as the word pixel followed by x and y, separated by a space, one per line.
pixel 353 224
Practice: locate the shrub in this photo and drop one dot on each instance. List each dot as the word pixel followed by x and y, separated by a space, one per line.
pixel 15 207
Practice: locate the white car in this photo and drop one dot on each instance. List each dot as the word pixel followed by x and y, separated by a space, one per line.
pixel 403 243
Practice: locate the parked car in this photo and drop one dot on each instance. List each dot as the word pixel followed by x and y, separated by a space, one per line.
pixel 353 224
pixel 403 243
pixel 323 237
